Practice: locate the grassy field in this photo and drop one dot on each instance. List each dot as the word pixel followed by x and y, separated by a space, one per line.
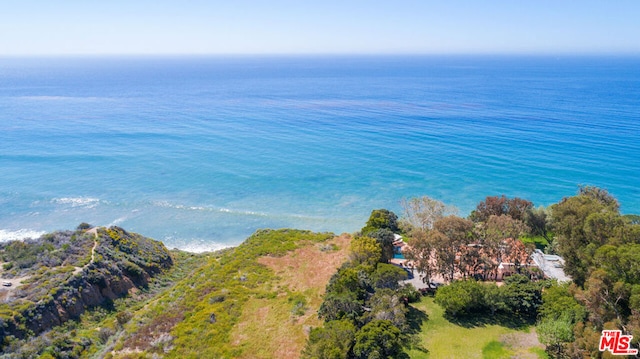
pixel 276 326
pixel 443 339
pixel 251 301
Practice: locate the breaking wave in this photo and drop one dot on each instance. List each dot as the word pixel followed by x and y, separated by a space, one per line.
pixel 20 234
pixel 85 202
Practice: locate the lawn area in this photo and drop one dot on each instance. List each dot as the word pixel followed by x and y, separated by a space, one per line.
pixel 443 339
pixel 539 241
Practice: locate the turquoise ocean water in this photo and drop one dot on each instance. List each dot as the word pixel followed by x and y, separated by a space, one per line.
pixel 200 152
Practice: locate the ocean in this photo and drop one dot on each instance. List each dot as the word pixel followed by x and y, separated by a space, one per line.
pixel 199 152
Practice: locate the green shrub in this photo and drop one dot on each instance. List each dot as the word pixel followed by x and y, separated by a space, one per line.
pixel 461 297
pixel 410 292
pixel 84 226
pixel 333 341
pixel 388 276
pixel 299 303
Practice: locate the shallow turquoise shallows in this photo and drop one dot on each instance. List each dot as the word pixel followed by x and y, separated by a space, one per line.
pixel 200 152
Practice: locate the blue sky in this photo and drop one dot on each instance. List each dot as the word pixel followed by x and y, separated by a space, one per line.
pixel 37 27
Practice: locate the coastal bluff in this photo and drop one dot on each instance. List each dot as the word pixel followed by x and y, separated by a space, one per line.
pixel 57 277
pixel 108 293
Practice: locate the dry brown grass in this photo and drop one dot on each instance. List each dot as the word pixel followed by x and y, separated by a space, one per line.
pixel 158 326
pixel 267 328
pixel 522 343
pixel 309 267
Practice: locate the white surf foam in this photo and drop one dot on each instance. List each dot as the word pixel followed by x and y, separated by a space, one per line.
pixel 86 202
pixel 20 234
pixel 117 221
pixel 165 204
pixel 199 246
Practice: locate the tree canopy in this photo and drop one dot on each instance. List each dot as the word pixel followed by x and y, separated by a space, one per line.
pixel 581 224
pixel 381 219
pixel 420 213
pixel 601 252
pixel 515 207
pixel 333 341
pixel 377 340
pixel 365 250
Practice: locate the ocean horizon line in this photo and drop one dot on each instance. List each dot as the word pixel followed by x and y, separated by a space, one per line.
pixel 488 55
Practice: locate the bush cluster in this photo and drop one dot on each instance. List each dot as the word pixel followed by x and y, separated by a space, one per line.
pixel 364 308
pixel 519 298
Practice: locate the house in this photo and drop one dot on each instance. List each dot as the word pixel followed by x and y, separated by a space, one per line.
pixel 551 265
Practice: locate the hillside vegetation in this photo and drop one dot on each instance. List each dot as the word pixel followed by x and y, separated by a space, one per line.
pixel 215 306
pixel 56 278
pixel 117 294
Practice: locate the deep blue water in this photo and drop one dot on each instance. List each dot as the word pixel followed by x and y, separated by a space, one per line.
pixel 200 152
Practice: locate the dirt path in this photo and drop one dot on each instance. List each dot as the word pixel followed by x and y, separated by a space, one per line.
pixel 14 282
pixel 9 285
pixel 93 231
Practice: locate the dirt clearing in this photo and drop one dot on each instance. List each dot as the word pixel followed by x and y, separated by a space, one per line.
pixel 271 327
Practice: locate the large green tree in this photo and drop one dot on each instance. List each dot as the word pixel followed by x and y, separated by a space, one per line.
pixel 381 219
pixel 461 297
pixel 345 295
pixel 387 276
pixel 600 248
pixel 538 221
pixel 555 333
pixel 333 341
pixel 385 239
pixel 523 296
pixel 344 305
pixel 365 251
pixel 386 304
pixel 378 339
pixel 559 300
pixel 583 223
